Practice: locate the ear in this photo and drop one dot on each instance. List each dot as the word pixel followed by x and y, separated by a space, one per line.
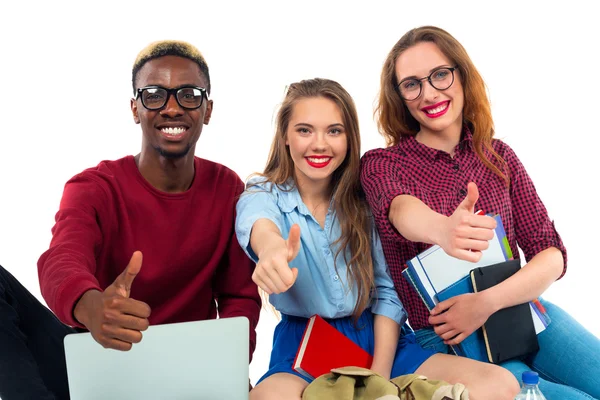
pixel 134 111
pixel 208 113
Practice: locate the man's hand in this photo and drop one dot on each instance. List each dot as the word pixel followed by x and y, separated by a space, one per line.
pixel 273 273
pixel 467 234
pixel 115 320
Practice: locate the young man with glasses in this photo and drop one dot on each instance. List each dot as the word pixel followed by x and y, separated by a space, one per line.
pixel 146 239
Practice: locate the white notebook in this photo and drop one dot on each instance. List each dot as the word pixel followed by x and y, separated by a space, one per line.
pixel 434 270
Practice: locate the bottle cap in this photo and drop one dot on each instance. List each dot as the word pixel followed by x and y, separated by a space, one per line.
pixel 530 378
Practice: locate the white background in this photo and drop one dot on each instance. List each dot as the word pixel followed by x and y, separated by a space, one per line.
pixel 65 70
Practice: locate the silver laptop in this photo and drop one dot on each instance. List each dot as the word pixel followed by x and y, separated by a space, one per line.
pixel 188 360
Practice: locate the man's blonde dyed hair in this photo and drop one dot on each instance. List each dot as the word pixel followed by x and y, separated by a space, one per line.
pixel 164 48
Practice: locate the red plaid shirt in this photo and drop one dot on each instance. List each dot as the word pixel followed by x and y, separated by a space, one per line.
pixel 440 181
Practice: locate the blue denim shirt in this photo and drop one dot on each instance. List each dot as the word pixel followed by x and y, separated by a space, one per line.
pixel 322 286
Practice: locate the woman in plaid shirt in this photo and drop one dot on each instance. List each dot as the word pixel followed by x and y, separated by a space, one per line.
pixel 442 164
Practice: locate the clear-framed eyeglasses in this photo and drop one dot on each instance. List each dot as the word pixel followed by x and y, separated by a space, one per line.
pixel 440 78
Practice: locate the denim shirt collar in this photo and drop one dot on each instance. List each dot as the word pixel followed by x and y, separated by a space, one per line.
pixel 289 199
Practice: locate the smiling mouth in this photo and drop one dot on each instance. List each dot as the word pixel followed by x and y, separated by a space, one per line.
pixel 318 162
pixel 173 131
pixel 436 110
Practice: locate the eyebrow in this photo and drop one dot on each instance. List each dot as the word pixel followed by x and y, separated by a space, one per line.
pixel 430 71
pixel 337 124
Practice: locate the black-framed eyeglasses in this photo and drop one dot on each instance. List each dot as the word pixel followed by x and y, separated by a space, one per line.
pixel 440 78
pixel 155 97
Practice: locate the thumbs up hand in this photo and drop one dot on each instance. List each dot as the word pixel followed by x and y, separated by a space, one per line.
pixel 273 273
pixel 466 234
pixel 114 319
pixel 122 285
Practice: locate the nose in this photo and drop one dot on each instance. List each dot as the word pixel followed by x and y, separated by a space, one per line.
pixel 171 109
pixel 429 92
pixel 319 143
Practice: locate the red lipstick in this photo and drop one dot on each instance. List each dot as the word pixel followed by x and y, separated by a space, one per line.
pixel 438 114
pixel 323 161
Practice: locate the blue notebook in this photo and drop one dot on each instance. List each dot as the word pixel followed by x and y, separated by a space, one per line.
pixel 473 346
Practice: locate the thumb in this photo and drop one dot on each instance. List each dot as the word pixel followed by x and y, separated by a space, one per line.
pixel 125 280
pixel 293 242
pixel 472 196
pixel 294 274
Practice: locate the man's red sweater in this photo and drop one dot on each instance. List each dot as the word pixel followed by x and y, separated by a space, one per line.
pixel 191 258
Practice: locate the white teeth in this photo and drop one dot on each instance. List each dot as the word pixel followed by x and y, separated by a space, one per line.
pixel 318 160
pixel 174 131
pixel 437 109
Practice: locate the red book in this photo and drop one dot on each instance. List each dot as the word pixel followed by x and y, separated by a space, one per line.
pixel 323 347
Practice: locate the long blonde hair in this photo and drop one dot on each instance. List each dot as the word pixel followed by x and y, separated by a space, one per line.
pixel 349 204
pixel 394 120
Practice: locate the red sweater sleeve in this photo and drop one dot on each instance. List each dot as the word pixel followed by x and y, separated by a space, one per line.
pixel 66 269
pixel 235 292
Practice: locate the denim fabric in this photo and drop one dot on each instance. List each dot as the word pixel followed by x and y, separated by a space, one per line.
pixel 290 330
pixel 568 361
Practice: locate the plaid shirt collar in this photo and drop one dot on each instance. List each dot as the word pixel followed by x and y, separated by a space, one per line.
pixel 409 144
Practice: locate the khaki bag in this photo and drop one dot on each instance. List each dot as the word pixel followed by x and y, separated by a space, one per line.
pixel 354 383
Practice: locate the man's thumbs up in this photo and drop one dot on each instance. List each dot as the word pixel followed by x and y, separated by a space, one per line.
pixel 124 281
pixel 114 319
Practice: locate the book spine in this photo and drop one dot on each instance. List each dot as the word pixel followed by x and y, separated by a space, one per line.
pixel 422 281
pixel 419 289
pixel 303 344
pixel 501 235
pixel 484 331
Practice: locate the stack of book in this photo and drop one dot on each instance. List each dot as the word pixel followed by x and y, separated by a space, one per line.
pixel 508 333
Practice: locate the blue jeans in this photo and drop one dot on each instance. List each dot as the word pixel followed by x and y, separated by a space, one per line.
pixel 568 361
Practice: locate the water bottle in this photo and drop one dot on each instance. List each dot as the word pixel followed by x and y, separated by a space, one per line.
pixel 530 389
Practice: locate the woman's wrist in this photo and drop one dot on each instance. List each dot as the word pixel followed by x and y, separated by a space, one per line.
pixel 438 229
pixel 383 370
pixel 491 300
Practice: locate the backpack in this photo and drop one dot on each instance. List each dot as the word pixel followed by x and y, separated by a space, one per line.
pixel 354 383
